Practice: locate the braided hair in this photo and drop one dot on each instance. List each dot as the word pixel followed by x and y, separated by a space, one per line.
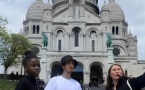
pixel 28 56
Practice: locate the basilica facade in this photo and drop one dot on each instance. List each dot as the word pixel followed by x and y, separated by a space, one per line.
pixel 79 28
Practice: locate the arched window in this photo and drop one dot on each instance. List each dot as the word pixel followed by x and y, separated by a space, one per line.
pixel 93 45
pixel 113 30
pixel 124 32
pixel 96 2
pixel 126 73
pixel 105 28
pixel 76 38
pixel 47 13
pixel 76 8
pixel 117 30
pixel 47 27
pixel 38 29
pixel 27 29
pixel 53 1
pixel 76 31
pixel 105 14
pixel 56 70
pixel 93 33
pixel 59 33
pixel 78 68
pixel 59 45
pixel 33 29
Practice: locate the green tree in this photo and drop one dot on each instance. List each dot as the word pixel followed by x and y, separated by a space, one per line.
pixel 12 45
pixel 3 22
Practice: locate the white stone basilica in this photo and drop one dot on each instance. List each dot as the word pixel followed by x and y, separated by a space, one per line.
pixel 79 28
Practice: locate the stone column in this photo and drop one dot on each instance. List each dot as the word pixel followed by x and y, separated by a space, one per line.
pixel 110 56
pixel 86 77
pixel 48 75
pixel 54 42
pixel 66 42
pixel 82 9
pixel 87 43
pixel 43 62
pixel 69 40
pixel 51 41
pixel 81 42
pixel 84 45
pixel 99 43
pixel 72 42
pixel 105 77
pixel 70 10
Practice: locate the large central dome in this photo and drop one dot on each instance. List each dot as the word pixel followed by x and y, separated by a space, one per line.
pixel 36 10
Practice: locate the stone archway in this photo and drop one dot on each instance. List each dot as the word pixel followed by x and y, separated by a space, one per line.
pixel 56 69
pixel 77 74
pixel 96 73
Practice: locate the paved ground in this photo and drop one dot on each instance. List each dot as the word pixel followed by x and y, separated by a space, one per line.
pixel 101 87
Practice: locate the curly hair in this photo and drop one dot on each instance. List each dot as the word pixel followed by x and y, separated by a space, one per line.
pixel 28 56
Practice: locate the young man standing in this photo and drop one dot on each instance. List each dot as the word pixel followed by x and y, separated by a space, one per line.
pixel 64 81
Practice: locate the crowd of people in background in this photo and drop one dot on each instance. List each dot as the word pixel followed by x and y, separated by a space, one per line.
pixel 93 83
pixel 14 76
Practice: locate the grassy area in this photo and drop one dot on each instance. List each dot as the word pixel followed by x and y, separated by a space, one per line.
pixel 7 85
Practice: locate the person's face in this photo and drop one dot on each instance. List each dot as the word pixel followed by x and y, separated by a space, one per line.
pixel 115 72
pixel 33 67
pixel 68 66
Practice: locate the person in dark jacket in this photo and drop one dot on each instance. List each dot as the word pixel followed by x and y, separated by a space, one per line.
pixel 31 65
pixel 116 80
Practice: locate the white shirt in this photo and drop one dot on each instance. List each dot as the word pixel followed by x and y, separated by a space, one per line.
pixel 61 83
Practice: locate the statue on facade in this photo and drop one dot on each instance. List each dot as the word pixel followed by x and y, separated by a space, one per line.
pixel 109 40
pixel 44 39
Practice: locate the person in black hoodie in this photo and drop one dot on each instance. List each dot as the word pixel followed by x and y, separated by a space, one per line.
pixel 32 68
pixel 116 80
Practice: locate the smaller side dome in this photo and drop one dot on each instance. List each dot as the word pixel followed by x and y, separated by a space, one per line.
pixel 36 10
pixel 115 10
pixel 130 36
pixel 48 6
pixel 104 7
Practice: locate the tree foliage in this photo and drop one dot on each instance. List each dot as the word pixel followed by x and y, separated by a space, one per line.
pixel 12 45
pixel 3 22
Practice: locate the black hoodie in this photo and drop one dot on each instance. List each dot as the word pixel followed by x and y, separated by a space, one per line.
pixel 136 83
pixel 29 83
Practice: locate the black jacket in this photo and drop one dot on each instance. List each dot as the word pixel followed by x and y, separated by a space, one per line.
pixel 136 83
pixel 29 83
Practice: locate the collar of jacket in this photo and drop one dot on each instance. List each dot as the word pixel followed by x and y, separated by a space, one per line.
pixel 122 79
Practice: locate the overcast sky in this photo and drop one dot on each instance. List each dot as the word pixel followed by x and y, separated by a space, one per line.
pixel 134 10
